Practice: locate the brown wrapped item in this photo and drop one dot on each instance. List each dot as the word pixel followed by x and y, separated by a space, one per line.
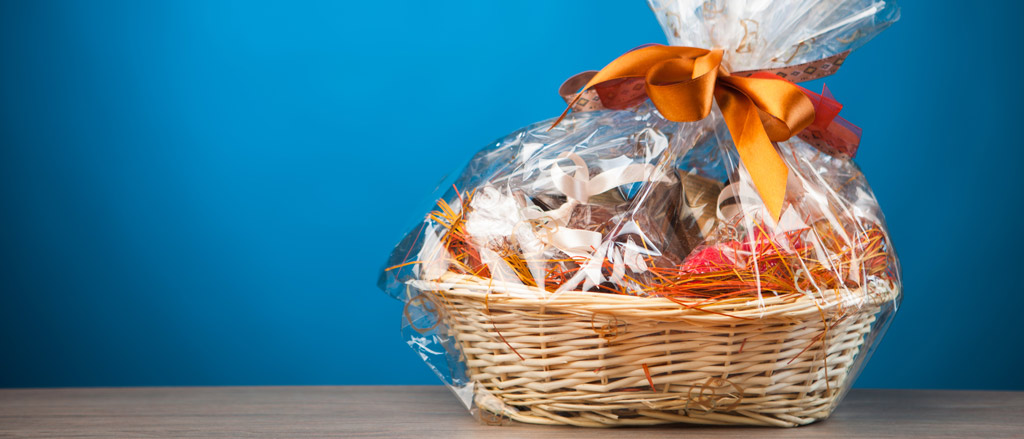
pixel 696 218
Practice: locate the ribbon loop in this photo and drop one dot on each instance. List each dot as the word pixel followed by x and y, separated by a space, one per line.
pixel 683 82
pixel 686 100
pixel 787 109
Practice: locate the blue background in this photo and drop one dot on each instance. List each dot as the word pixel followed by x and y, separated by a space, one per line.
pixel 203 192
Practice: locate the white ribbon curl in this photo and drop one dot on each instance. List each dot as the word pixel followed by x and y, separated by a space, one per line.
pixel 578 189
pixel 588 245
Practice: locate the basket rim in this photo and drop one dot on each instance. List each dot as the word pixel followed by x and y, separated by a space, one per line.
pixel 506 295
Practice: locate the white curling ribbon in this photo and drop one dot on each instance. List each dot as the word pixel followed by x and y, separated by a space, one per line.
pixel 622 256
pixel 618 266
pixel 746 201
pixel 591 270
pixel 501 271
pixel 575 241
pixel 578 188
pixel 633 256
pixel 495 216
pixel 585 244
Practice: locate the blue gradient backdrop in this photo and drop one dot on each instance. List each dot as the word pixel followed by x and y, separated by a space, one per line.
pixel 202 192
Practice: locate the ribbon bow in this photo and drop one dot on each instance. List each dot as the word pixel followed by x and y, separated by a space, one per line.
pixel 682 82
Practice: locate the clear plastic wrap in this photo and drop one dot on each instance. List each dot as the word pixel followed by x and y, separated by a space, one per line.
pixel 621 268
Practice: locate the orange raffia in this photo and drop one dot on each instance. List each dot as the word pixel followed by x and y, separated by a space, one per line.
pixel 647 373
pixel 786 272
pixel 465 257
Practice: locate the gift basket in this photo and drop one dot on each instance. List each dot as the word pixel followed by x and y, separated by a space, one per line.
pixel 690 242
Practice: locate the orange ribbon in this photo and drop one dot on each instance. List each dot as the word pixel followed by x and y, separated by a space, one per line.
pixel 682 82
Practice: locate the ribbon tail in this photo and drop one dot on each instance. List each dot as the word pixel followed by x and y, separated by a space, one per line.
pixel 566 112
pixel 766 168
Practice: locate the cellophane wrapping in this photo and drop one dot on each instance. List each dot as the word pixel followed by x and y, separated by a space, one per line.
pixel 627 203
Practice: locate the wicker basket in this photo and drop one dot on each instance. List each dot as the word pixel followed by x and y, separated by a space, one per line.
pixel 604 360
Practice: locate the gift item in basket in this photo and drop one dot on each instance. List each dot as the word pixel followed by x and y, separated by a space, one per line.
pixel 691 242
pixel 697 216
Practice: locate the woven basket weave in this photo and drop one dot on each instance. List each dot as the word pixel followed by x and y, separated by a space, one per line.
pixel 604 360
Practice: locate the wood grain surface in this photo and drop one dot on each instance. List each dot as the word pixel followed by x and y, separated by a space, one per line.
pixel 430 411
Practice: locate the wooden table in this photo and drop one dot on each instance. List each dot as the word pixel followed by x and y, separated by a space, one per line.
pixel 430 411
